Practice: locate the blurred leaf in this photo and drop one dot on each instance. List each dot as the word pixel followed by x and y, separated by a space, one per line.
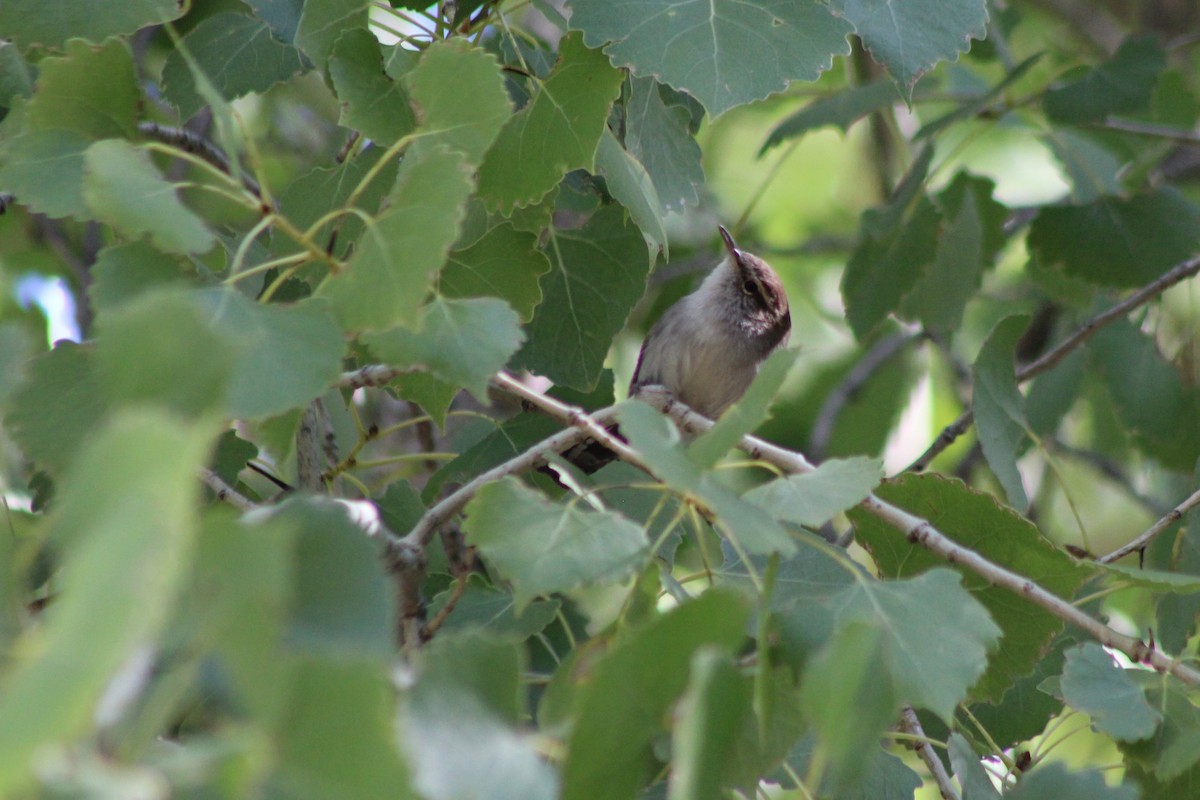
pixel 1116 242
pixel 127 559
pixel 723 53
pixel 504 263
pixel 232 454
pixel 1177 615
pixel 125 272
pixel 323 23
pixel 1052 780
pixel 909 39
pixel 44 170
pixel 450 70
pixel 974 107
pixel 372 103
pixel 843 109
pixel 881 775
pixel 658 136
pixel 1093 684
pixel 558 131
pixel 1156 409
pixel 15 351
pixel 238 55
pixel 1122 85
pixel 546 547
pixel 710 715
pixel 123 188
pixel 493 612
pixel 975 520
pixel 623 707
pixel 462 342
pixel 975 781
pixel 57 406
pixel 95 20
pixel 657 441
pixel 16 74
pixel 508 440
pixel 403 248
pixel 91 90
pixel 812 498
pixel 747 413
pixel 1000 408
pixel 1094 170
pixel 1154 580
pixel 598 272
pixel 630 184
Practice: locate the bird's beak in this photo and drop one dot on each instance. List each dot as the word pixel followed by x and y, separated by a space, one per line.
pixel 730 244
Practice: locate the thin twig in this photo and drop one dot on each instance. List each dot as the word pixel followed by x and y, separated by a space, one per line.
pixel 912 725
pixel 197 145
pixel 226 493
pixel 368 376
pixel 1140 542
pixel 1176 274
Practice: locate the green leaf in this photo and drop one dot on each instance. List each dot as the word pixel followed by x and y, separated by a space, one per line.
pixel 16 346
pixel 934 634
pixel 503 263
pixel 323 23
pixel 1094 169
pixel 282 15
pixel 16 74
pixel 1117 242
pixel 974 107
pixel 1122 85
pixel 402 249
pixel 598 272
pixel 123 272
pixel 630 184
pixel 910 38
pixel 1157 410
pixel 557 132
pixel 238 55
pixel 723 53
pixel 123 188
pixel 710 716
pixel 1053 780
pixel 978 522
pixel 658 135
pixel 371 101
pixel 126 514
pixel 91 90
pixel 44 170
pixel 747 413
pixel 507 441
pixel 976 783
pixel 812 498
pixel 462 342
pixel 544 547
pixel 494 612
pixel 1172 752
pixel 1000 408
pixel 1093 684
pixel 748 527
pixel 843 109
pixel 27 22
pixel 623 708
pixel 1155 580
pixel 450 70
pixel 57 406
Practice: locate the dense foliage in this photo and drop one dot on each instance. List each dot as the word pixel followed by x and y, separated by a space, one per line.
pixel 273 524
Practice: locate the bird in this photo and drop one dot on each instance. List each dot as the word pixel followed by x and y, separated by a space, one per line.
pixel 707 347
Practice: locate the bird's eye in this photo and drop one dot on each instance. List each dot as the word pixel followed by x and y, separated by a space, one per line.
pixel 749 287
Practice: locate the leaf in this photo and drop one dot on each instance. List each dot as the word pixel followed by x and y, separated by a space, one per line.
pixel 630 185
pixel 461 342
pixel 976 783
pixel 723 53
pixel 909 38
pixel 812 498
pixel 557 132
pixel 710 716
pixel 91 90
pixel 543 547
pixel 598 272
pixel 44 170
pixel 507 441
pixel 1154 580
pixel 126 515
pixel 450 70
pixel 238 55
pixel 1172 752
pixel 57 407
pixel 973 108
pixel 16 74
pixel 323 22
pixel 842 108
pixel 401 250
pixel 1093 684
pixel 934 634
pixel 1118 242
pixel 623 707
pixel 1053 780
pixel 95 20
pixel 978 522
pixel 1094 169
pixel 503 263
pixel 1122 85
pixel 123 272
pixel 656 440
pixel 658 135
pixel 494 612
pixel 999 407
pixel 123 188
pixel 371 101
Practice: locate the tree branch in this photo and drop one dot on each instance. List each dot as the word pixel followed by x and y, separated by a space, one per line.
pixel 1140 542
pixel 1176 274
pixel 198 146
pixel 226 493
pixel 912 725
